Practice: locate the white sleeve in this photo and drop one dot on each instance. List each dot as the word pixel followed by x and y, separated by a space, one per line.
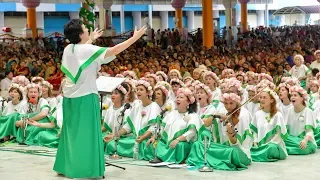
pixel 44 104
pixel 190 134
pixel 127 128
pixel 309 132
pixel 245 146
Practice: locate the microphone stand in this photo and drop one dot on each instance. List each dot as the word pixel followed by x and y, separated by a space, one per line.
pixel 116 138
pixel 24 120
pixel 205 167
pixel 155 159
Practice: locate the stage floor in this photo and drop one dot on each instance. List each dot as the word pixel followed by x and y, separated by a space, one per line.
pixel 23 163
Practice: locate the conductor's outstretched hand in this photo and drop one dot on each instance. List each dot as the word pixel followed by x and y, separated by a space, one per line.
pixel 95 34
pixel 138 33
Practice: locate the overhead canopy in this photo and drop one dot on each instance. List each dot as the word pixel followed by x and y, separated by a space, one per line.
pixel 298 10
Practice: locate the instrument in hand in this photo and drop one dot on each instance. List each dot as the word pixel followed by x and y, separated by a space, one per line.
pixel 167 108
pixel 105 107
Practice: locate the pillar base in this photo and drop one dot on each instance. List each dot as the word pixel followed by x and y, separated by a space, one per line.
pixel 27 33
pixel 40 32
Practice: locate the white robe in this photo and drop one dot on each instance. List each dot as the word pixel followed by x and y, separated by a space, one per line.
pixel 4 85
pixel 10 108
pixel 113 119
pixel 284 109
pixel 300 123
pixel 261 127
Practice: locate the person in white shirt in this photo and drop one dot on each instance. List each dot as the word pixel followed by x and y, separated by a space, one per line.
pixel 81 134
pixel 5 84
pixel 316 63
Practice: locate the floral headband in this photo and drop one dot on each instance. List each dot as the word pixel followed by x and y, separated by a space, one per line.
pixel 132 83
pixel 196 82
pixel 227 71
pixel 317 52
pixel 119 76
pixel 233 82
pixel 163 89
pixel 240 73
pixel 33 85
pixel 205 88
pixel 16 86
pixel 130 73
pixel 188 77
pixel 146 85
pixel 165 84
pixel 252 74
pixel 266 76
pixel 155 77
pixel 318 74
pixel 271 93
pixel 230 96
pixel 285 85
pixel 303 93
pixel 188 93
pixel 21 79
pixel 122 89
pixel 37 79
pixel 263 83
pixel 176 71
pixel 293 81
pixel 212 74
pixel 251 88
pixel 284 79
pixel 176 80
pixel 46 83
pixel 161 73
pixel 313 82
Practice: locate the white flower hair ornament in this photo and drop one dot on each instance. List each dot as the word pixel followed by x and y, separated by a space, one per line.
pixel 227 71
pixel 155 77
pixel 33 85
pixel 252 74
pixel 251 88
pixel 271 92
pixel 211 74
pixel 284 79
pixel 240 73
pixel 265 76
pixel 316 52
pixel 303 93
pixel 234 83
pixel 230 96
pixel 299 56
pixel 205 88
pixel 146 85
pixel 21 80
pixel 119 76
pixel 37 79
pixel 187 93
pixel 130 73
pixel 176 71
pixel 16 86
pixel 313 82
pixel 161 73
pixel 176 80
pixel 163 89
pixel 293 81
pixel 285 85
pixel 46 83
pixel 122 89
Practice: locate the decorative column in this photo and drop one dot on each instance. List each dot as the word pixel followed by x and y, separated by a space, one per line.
pixel 136 18
pixel 150 14
pixel 86 13
pixel 244 15
pixel 32 15
pixel 123 28
pixel 238 16
pixel 102 14
pixel 164 19
pixel 267 16
pixel 260 16
pixel 178 5
pixel 207 23
pixel 282 20
pixel 190 15
pixel 74 15
pixel 108 17
pixel 1 19
pixel 228 5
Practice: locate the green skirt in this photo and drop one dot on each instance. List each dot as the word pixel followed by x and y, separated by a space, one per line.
pixel 80 152
pixel 317 138
pixel 219 156
pixel 49 138
pixel 292 145
pixel 177 155
pixel 267 153
pixel 8 125
pixel 31 133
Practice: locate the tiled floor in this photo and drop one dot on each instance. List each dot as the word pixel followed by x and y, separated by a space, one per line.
pixel 20 166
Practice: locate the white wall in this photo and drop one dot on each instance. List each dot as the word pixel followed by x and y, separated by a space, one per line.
pixel 17 23
pixel 197 21
pixel 156 22
pixel 252 20
pixel 292 18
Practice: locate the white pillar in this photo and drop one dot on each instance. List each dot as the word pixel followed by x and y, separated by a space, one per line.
pixel 215 14
pixel 190 15
pixel 122 25
pixel 260 16
pixel 74 15
pixel 102 18
pixel 150 15
pixel 40 20
pixel 302 19
pixel 238 16
pixel 1 19
pixel 110 19
pixel 267 16
pixel 282 20
pixel 136 19
pixel 164 19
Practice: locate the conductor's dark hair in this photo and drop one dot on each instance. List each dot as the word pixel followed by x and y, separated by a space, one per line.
pixel 193 108
pixel 73 30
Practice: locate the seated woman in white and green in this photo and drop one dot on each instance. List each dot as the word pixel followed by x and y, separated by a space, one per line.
pixel 140 123
pixel 301 124
pixel 113 118
pixel 48 95
pixel 37 109
pixel 179 129
pixel 11 113
pixel 226 149
pixel 269 130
